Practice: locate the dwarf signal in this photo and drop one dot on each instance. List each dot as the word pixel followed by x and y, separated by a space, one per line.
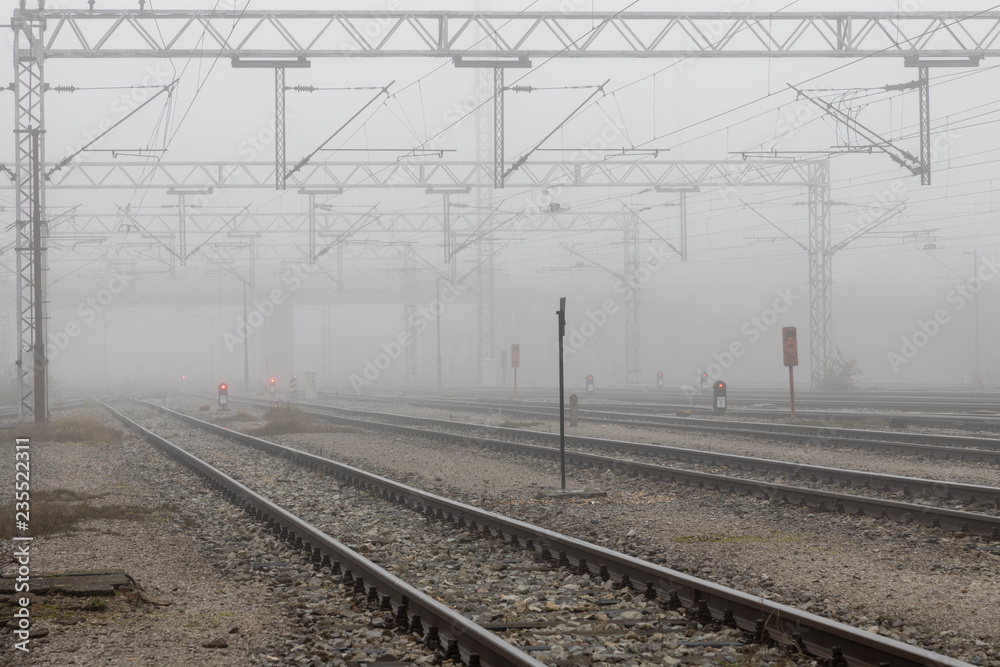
pixel 659 379
pixel 719 397
pixel 590 383
pixel 223 396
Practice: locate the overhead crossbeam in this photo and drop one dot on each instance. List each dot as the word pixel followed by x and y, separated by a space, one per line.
pixel 468 35
pixel 640 173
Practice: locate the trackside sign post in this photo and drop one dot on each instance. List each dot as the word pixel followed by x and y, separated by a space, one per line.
pixel 790 357
pixel 561 314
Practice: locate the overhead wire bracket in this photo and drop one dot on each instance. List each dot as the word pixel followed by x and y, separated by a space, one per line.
pixel 907 160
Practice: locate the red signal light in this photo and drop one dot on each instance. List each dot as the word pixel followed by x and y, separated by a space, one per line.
pixel 590 377
pixel 272 380
pixel 222 386
pixel 719 385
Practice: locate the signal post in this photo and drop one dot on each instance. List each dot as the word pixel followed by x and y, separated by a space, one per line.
pixel 790 354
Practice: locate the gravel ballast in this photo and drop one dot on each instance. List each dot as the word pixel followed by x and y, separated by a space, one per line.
pixel 919 585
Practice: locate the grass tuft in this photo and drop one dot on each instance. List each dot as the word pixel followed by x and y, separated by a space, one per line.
pixel 54 517
pixel 80 428
pixel 286 420
pixel 238 416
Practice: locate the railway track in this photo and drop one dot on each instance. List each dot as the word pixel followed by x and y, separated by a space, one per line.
pixel 980 414
pixel 819 499
pixel 704 603
pixel 409 608
pixel 907 486
pixel 932 445
pixel 861 399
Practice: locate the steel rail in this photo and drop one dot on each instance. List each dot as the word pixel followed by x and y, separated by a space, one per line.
pixel 766 621
pixel 408 605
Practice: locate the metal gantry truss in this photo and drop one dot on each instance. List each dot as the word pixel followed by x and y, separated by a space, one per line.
pixel 542 34
pixel 330 176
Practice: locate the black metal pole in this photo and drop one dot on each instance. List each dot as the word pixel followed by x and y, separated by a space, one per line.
pixel 562 404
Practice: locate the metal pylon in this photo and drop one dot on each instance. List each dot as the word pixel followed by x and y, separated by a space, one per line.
pixel 630 227
pixel 923 78
pixel 280 168
pixel 820 271
pixel 489 133
pixel 484 306
pixel 32 227
pixel 498 154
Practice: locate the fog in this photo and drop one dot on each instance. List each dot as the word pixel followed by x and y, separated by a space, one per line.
pixel 381 292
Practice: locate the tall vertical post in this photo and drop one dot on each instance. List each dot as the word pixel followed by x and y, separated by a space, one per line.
pixel 630 228
pixel 410 315
pixel 498 143
pixel 312 228
pixel 976 377
pixel 820 281
pixel 246 342
pixel 561 314
pixel 923 78
pixel 684 226
pixel 791 389
pixel 32 227
pixel 485 139
pixel 182 228
pixel 279 129
pixel 446 224
pixel 437 329
pixel 484 307
pixel 327 343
